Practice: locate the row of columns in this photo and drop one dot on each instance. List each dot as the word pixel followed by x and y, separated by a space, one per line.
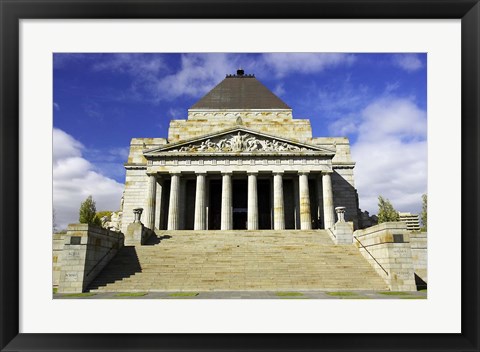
pixel 226 223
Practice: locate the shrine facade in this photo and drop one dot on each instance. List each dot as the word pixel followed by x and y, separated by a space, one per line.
pixel 239 161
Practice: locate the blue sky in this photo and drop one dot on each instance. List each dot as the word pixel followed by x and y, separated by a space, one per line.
pixel 101 101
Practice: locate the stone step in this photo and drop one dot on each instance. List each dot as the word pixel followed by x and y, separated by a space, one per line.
pixel 238 260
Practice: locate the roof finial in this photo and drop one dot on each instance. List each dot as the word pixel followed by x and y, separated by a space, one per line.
pixel 240 72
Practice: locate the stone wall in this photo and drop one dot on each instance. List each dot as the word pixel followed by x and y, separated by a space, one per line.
pixel 276 123
pixel 135 194
pixel 389 244
pixel 58 241
pixel 418 241
pixel 345 194
pixel 87 249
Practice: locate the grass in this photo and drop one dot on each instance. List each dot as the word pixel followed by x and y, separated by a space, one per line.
pixel 394 293
pixel 84 294
pixel 288 294
pixel 414 297
pixel 342 294
pixel 55 290
pixel 357 297
pixel 131 294
pixel 183 294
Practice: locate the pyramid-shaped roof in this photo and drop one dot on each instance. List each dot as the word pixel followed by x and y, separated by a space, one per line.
pixel 240 91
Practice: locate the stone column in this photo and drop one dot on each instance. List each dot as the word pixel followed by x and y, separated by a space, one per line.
pixel 252 221
pixel 226 215
pixel 305 218
pixel 278 205
pixel 173 211
pixel 296 200
pixel 329 214
pixel 319 213
pixel 159 204
pixel 151 198
pixel 200 211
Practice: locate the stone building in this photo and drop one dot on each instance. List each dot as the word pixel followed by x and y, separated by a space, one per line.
pixel 412 221
pixel 239 161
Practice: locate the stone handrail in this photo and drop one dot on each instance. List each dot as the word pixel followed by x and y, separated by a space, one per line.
pixel 370 254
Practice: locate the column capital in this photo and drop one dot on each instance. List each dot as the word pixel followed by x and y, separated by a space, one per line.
pixel 201 173
pixel 328 172
pixel 175 173
pixel 152 174
pixel 303 172
pixel 253 173
pixel 224 173
pixel 274 173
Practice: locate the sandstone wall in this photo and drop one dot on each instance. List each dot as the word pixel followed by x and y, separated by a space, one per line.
pixel 389 244
pixel 58 241
pixel 344 193
pixel 418 242
pixel 135 194
pixel 87 249
pixel 275 123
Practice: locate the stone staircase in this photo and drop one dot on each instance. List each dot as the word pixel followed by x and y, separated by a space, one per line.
pixel 238 261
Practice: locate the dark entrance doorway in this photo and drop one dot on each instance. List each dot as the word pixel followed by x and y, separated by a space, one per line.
pixel 215 205
pixel 264 204
pixel 240 204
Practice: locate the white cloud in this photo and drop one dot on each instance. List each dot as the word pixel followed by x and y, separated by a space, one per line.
pixel 177 113
pixel 408 62
pixel 143 65
pixel 198 74
pixel 391 154
pixel 74 179
pixel 284 64
pixel 279 89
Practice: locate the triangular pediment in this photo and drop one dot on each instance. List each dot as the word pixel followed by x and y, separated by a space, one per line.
pixel 239 140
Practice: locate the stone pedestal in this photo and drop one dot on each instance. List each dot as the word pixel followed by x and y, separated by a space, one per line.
pixel 226 215
pixel 329 216
pixel 252 217
pixel 342 230
pixel 173 207
pixel 200 210
pixel 305 217
pixel 278 204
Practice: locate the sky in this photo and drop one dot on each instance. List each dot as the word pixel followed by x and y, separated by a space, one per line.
pixel 101 101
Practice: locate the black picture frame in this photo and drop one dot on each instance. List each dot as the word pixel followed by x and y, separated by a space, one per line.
pixel 12 11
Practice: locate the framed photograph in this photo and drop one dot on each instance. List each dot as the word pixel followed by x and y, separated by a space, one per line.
pixel 435 43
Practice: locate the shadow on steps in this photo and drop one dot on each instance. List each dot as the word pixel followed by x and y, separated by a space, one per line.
pixel 155 239
pixel 123 265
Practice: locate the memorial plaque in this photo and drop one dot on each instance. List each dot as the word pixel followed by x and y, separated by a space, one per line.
pixel 397 238
pixel 71 277
pixel 75 240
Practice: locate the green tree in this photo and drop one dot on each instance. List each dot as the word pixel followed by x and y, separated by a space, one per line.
pixel 423 216
pixel 386 211
pixel 88 212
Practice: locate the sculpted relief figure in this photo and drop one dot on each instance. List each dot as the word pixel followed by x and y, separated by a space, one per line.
pixel 238 143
